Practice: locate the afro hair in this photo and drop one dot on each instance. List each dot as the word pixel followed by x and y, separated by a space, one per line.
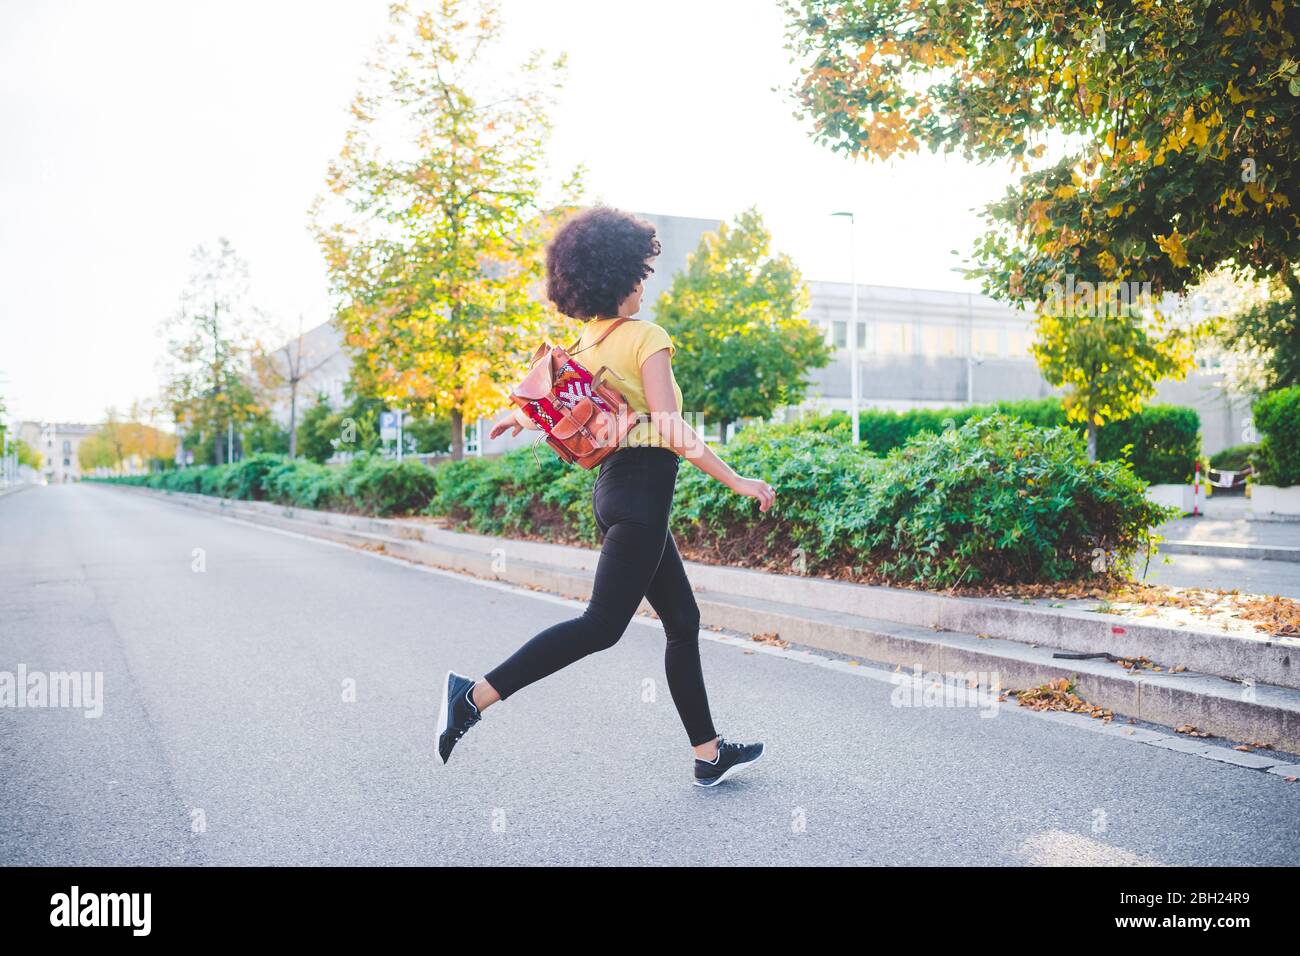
pixel 595 261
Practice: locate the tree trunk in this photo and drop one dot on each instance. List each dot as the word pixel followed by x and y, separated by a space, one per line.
pixel 1092 438
pixel 722 430
pixel 457 435
pixel 293 419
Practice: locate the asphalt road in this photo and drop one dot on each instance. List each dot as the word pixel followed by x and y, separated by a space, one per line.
pixel 227 735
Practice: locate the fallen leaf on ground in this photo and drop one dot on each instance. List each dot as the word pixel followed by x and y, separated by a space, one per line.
pixel 1059 695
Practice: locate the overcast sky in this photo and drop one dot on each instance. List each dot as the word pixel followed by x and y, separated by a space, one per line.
pixel 133 131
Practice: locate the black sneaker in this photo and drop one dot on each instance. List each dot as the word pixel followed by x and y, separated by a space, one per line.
pixel 456 715
pixel 731 759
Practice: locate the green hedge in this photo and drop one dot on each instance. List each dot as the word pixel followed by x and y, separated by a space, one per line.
pixel 995 500
pixel 526 490
pixel 1234 458
pixel 1277 418
pixel 883 431
pixel 367 485
pixel 1165 439
pixel 1163 442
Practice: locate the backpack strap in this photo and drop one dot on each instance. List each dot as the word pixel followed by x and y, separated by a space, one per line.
pixel 617 322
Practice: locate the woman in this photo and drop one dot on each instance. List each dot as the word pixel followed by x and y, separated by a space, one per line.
pixel 595 267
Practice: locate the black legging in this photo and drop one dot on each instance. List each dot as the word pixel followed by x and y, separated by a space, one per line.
pixel 631 500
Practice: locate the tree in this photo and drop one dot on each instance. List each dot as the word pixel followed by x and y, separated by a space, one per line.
pixel 428 434
pixel 358 424
pixel 288 367
pixel 118 440
pixel 1266 335
pixel 207 370
pixel 262 433
pixel 1176 122
pixel 1110 363
pixel 353 429
pixel 145 437
pixel 27 455
pixel 434 242
pixel 105 448
pixel 743 349
pixel 319 429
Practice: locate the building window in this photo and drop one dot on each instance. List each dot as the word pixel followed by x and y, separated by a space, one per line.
pixel 67 463
pixel 67 447
pixel 938 340
pixel 840 334
pixel 1018 342
pixel 894 338
pixel 985 342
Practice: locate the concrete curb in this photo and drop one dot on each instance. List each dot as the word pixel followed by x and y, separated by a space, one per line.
pixel 1257 552
pixel 1251 711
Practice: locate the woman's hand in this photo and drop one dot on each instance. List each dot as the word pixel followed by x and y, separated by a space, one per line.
pixel 501 426
pixel 755 488
pixel 512 421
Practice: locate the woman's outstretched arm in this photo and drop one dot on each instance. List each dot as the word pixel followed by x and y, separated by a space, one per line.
pixel 657 380
pixel 515 420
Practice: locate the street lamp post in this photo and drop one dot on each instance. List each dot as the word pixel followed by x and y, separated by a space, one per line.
pixel 971 358
pixel 854 385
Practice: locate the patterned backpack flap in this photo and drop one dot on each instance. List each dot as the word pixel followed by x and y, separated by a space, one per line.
pixel 583 419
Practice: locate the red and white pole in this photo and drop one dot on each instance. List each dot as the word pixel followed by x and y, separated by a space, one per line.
pixel 1196 492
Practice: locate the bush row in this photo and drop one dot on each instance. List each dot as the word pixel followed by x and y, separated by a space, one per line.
pixel 367 485
pixel 993 500
pixel 1162 441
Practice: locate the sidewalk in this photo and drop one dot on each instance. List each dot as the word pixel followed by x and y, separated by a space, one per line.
pixel 1225 549
pixel 1223 528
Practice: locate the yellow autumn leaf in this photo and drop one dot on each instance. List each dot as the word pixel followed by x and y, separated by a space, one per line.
pixel 1172 246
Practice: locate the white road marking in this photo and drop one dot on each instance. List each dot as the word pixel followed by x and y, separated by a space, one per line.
pixel 1061 848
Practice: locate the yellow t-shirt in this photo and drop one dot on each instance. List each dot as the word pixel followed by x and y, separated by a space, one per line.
pixel 626 348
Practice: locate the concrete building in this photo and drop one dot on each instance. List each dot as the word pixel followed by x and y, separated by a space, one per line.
pixel 917 348
pixel 921 348
pixel 57 443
